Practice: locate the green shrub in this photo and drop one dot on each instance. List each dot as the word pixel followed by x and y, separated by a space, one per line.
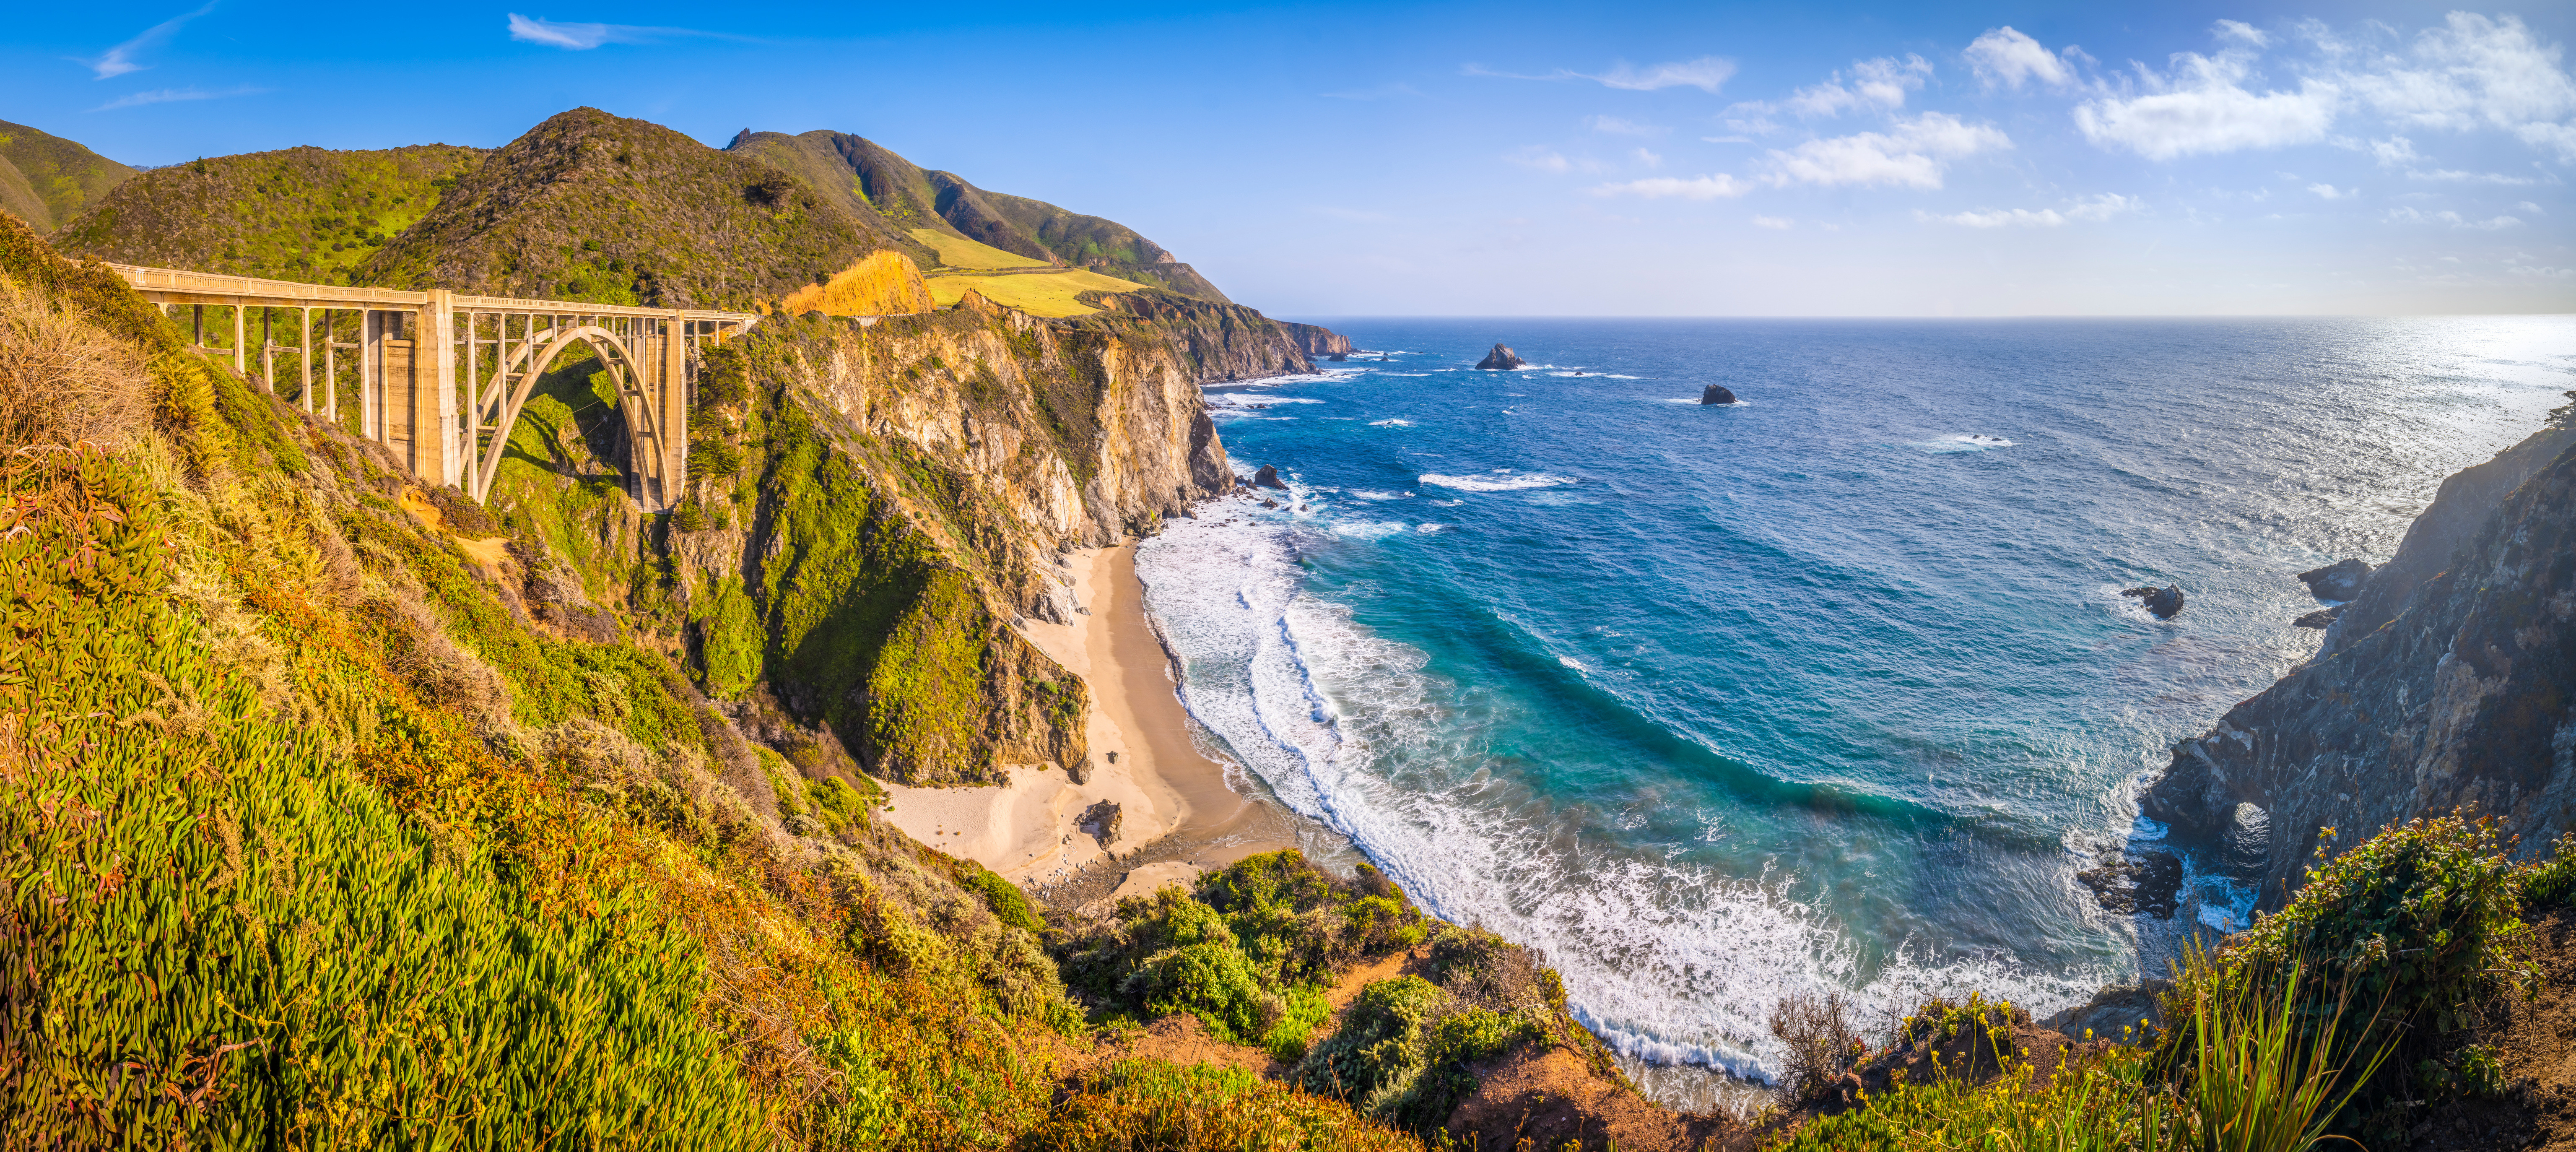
pixel 1156 1106
pixel 2552 882
pixel 1211 981
pixel 1379 1048
pixel 1003 897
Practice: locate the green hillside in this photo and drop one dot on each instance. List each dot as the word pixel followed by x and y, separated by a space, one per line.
pixel 47 180
pixel 909 198
pixel 589 206
pixel 307 214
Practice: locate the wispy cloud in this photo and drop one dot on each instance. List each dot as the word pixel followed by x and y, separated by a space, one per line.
pixel 2330 192
pixel 580 37
pixel 1913 154
pixel 1672 187
pixel 2007 58
pixel 1616 126
pixel 175 95
pixel 120 60
pixel 2454 219
pixel 1707 74
pixel 1774 223
pixel 2092 210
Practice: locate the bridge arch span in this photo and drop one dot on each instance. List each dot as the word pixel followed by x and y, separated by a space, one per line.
pixel 648 456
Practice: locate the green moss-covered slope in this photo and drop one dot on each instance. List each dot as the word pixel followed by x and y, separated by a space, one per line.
pixel 305 214
pixel 589 206
pixel 47 180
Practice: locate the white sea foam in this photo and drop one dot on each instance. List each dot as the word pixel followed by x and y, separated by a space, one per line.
pixel 1390 423
pixel 1969 442
pixel 1237 400
pixel 1570 662
pixel 1427 529
pixel 1497 482
pixel 1369 529
pixel 1374 494
pixel 1670 963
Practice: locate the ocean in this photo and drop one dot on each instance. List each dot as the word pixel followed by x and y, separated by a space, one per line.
pixel 1830 690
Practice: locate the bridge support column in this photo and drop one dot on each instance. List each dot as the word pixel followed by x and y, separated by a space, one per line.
pixel 671 403
pixel 436 456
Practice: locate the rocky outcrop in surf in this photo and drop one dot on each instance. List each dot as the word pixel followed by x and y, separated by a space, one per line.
pixel 2450 681
pixel 1501 359
pixel 1716 394
pixel 2165 602
pixel 2341 580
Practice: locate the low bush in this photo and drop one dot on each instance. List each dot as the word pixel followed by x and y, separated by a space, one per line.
pixel 1155 1106
pixel 1818 1035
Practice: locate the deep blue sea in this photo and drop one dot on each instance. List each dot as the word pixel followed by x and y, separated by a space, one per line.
pixel 1831 689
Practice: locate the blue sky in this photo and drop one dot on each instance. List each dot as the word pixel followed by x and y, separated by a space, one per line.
pixel 1349 159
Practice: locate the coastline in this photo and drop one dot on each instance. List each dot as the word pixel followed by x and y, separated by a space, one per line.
pixel 1174 802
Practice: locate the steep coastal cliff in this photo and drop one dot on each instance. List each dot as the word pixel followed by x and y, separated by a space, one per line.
pixel 2451 681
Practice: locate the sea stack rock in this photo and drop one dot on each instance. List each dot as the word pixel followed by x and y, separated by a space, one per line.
pixel 2165 602
pixel 1101 822
pixel 1268 477
pixel 2340 580
pixel 1717 394
pixel 1501 359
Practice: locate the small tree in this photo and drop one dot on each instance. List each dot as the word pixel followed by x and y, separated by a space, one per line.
pixel 1819 1034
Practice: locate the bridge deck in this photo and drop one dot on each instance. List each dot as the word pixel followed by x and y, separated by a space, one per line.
pixel 175 286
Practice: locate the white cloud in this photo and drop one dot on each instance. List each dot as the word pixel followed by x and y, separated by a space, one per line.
pixel 175 95
pixel 2330 192
pixel 1540 159
pixel 1914 154
pixel 1647 158
pixel 2202 105
pixel 2454 219
pixel 584 37
pixel 2530 207
pixel 1876 85
pixel 2455 176
pixel 1774 223
pixel 1706 74
pixel 2094 210
pixel 2241 32
pixel 1671 187
pixel 119 60
pixel 2474 70
pixel 2394 151
pixel 1616 126
pixel 2010 58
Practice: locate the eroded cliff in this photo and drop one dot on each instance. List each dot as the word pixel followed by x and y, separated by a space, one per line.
pixel 2450 682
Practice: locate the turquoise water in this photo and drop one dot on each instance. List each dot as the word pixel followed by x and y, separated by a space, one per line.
pixel 1830 689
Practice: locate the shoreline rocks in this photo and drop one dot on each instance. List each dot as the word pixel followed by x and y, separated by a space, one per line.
pixel 2341 580
pixel 1716 394
pixel 2164 602
pixel 1268 477
pixel 1501 359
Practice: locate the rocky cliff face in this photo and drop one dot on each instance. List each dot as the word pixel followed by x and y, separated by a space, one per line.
pixel 1217 341
pixel 869 509
pixel 1318 340
pixel 2451 681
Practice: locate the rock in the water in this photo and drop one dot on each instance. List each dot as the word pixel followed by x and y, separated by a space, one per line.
pixel 1502 358
pixel 1339 357
pixel 1717 394
pixel 2322 617
pixel 1268 477
pixel 2340 580
pixel 1100 822
pixel 2134 882
pixel 2164 602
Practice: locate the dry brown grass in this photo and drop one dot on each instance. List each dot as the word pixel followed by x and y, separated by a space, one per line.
pixel 878 284
pixel 62 380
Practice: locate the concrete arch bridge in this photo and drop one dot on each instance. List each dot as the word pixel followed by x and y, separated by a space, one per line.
pixel 440 377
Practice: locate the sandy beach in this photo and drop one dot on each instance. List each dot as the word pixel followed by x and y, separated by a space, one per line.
pixel 1169 796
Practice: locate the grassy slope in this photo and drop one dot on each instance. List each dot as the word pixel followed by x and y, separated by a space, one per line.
pixel 1036 293
pixel 61 178
pixel 299 214
pixel 956 251
pixel 589 206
